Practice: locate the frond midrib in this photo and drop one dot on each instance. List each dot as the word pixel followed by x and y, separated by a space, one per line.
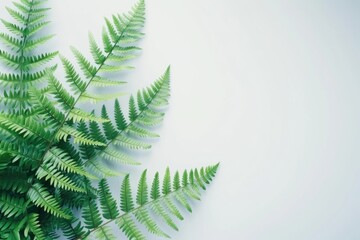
pixel 22 54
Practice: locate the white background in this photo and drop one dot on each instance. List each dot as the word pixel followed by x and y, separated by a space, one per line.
pixel 268 88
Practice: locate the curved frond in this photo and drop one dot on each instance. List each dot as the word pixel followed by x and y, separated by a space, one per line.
pixel 56 178
pixel 107 202
pixel 49 146
pixel 12 206
pixel 33 225
pixel 163 205
pixel 43 199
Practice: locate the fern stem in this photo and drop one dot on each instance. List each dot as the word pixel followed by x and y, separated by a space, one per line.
pixel 22 56
pixel 140 207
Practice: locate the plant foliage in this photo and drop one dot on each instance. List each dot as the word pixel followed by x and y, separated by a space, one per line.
pixel 55 156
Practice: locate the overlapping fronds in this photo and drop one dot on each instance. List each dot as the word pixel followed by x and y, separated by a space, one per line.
pixel 148 208
pixel 52 151
pixel 18 53
pixel 144 112
pixel 119 35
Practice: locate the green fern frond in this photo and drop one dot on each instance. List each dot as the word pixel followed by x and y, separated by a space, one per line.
pixel 155 187
pixel 114 155
pixel 12 206
pixel 91 215
pixel 72 77
pixel 14 180
pixel 127 225
pixel 78 115
pixel 130 143
pixel 8 229
pixel 33 44
pixel 10 41
pixel 105 82
pixel 168 199
pixel 143 216
pixel 113 39
pixel 93 98
pixel 45 106
pixel 87 68
pixel 95 132
pixel 79 137
pixel 49 146
pixel 62 161
pixel 159 210
pixel 125 134
pixel 104 232
pixel 43 199
pixel 25 126
pixel 142 193
pixel 12 80
pixel 101 170
pixel 60 94
pixel 126 201
pixel 166 182
pixel 107 202
pixel 19 51
pixel 33 225
pixel 56 178
pixel 73 232
pixel 19 151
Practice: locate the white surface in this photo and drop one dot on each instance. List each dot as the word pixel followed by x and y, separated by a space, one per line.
pixel 268 88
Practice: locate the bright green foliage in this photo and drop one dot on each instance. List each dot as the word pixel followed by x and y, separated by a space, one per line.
pixel 108 203
pixel 52 152
pixel 126 134
pixel 11 206
pixel 34 227
pixel 164 206
pixel 142 193
pixel 18 54
pixel 39 195
pixel 127 203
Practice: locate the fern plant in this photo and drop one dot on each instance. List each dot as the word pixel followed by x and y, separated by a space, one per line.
pixel 54 155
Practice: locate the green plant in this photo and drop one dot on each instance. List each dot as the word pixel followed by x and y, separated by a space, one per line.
pixel 52 152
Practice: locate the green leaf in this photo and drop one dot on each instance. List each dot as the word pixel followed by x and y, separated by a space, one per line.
pixel 143 216
pixel 91 215
pixel 126 203
pixel 113 155
pixel 95 50
pixel 79 138
pixel 33 224
pixel 132 109
pixel 88 69
pixel 12 206
pixel 73 77
pixel 107 202
pixel 127 225
pixel 121 123
pixel 43 199
pixel 62 161
pixel 93 98
pixel 166 182
pixel 56 178
pixel 31 45
pixel 130 143
pixel 155 187
pixel 142 193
